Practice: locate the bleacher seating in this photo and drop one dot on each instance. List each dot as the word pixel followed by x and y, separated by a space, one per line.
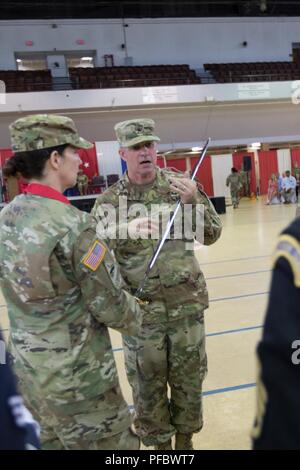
pixel 150 75
pixel 254 71
pixel 132 76
pixel 101 77
pixel 29 80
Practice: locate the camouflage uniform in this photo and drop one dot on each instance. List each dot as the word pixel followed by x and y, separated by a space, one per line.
pixel 171 347
pixel 234 181
pixel 82 183
pixel 63 289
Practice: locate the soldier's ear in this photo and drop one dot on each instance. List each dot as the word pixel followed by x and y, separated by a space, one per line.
pixel 122 153
pixel 55 160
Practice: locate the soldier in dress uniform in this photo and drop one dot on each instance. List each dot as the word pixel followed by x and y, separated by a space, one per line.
pixel 277 424
pixel 18 430
pixel 63 289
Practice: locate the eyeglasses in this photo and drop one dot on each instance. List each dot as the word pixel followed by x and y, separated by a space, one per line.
pixel 148 145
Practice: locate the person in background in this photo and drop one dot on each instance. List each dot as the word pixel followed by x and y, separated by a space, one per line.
pixel 1 187
pixel 279 180
pixel 234 182
pixel 289 188
pixel 82 183
pixel 297 177
pixel 272 190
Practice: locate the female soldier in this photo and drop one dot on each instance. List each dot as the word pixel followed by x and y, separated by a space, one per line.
pixel 62 289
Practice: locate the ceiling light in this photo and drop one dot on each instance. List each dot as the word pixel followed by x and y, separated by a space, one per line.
pixel 86 58
pixel 196 149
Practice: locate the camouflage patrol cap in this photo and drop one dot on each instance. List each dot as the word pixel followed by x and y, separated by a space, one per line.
pixel 40 131
pixel 135 131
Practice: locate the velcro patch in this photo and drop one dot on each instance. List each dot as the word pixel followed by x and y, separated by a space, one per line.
pixel 289 248
pixel 94 256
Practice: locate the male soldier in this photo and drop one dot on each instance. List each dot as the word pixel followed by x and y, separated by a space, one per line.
pixel 82 183
pixel 171 347
pixel 63 289
pixel 277 423
pixel 244 182
pixel 234 181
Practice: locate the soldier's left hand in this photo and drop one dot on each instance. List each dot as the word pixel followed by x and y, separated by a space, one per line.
pixel 185 187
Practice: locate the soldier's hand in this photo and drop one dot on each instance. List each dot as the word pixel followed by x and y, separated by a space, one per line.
pixel 185 187
pixel 143 227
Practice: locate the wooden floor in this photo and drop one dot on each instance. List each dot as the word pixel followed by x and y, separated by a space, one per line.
pixel 237 269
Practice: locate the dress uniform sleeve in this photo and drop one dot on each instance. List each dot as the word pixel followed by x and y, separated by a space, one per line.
pixel 101 284
pixel 212 222
pixel 277 423
pixel 17 432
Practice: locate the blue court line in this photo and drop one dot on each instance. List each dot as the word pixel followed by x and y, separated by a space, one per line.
pixel 239 274
pixel 228 389
pixel 238 296
pixel 218 333
pixel 226 332
pixel 220 390
pixel 236 259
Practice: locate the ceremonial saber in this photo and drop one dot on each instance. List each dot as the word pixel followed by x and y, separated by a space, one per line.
pixel 169 226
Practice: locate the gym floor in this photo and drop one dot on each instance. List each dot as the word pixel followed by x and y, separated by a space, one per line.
pixel 237 269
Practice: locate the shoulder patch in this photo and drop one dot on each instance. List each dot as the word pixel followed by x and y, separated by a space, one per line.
pixel 94 256
pixel 289 248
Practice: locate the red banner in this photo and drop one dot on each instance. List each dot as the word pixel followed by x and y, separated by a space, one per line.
pixel 89 162
pixel 268 164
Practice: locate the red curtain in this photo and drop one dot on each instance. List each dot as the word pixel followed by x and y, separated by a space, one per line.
pixel 204 174
pixel 160 162
pixel 237 159
pixel 89 161
pixel 178 163
pixel 268 164
pixel 295 156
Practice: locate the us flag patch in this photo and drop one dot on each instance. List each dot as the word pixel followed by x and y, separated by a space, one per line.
pixel 94 256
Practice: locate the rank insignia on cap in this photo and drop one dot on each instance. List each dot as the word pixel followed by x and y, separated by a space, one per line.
pixel 94 256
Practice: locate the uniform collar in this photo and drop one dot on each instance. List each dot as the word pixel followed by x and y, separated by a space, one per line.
pixel 46 191
pixel 140 192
